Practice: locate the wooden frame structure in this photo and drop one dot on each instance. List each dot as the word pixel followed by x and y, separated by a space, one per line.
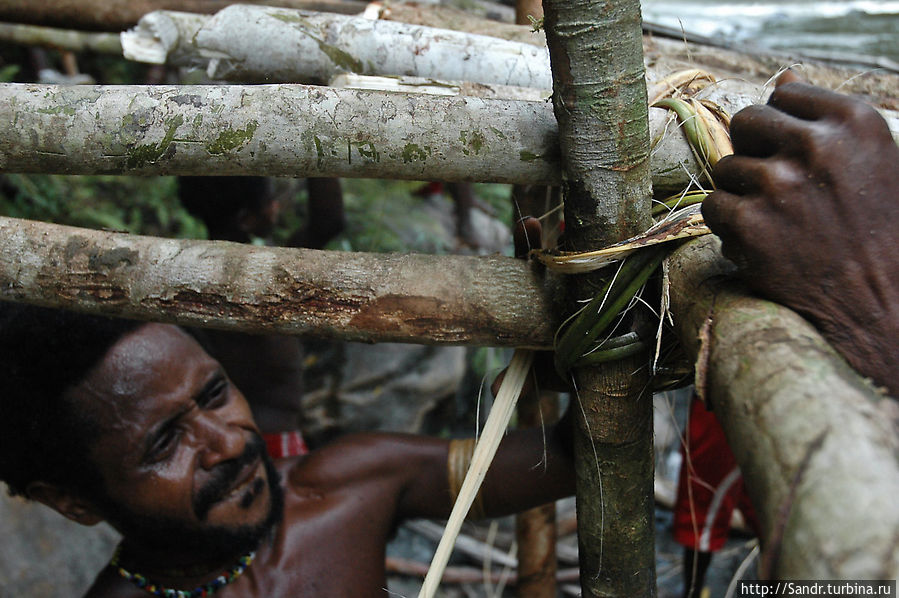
pixel 793 471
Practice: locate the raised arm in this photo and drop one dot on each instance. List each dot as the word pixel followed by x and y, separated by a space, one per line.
pixel 807 208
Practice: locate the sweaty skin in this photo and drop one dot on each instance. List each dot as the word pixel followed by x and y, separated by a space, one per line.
pixel 167 424
pixel 807 208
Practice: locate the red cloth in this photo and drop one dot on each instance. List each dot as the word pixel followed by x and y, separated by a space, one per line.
pixel 285 444
pixel 710 485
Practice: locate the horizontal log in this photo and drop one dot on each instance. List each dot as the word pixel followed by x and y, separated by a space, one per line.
pixel 63 39
pixel 276 45
pixel 817 445
pixel 488 301
pixel 299 130
pixel 116 15
pixel 274 130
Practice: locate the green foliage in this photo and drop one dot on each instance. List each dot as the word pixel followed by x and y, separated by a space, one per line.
pixel 387 216
pixel 497 196
pixel 8 73
pixel 141 205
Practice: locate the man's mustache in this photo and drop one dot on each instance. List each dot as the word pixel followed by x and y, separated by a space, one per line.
pixel 225 475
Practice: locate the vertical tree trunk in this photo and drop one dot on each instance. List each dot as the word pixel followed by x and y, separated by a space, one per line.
pixel 599 98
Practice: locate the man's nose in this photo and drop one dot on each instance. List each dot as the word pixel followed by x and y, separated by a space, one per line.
pixel 218 441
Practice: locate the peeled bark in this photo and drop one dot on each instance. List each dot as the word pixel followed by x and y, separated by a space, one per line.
pixel 115 15
pixel 490 301
pixel 817 445
pixel 255 43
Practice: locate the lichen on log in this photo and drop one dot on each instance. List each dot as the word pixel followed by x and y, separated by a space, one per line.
pixel 299 130
pixel 275 130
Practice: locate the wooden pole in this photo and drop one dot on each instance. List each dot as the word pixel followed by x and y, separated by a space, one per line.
pixel 273 130
pixel 301 130
pixel 116 15
pixel 63 39
pixel 817 445
pixel 427 299
pixel 599 97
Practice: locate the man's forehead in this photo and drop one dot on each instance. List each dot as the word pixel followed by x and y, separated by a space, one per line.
pixel 144 359
pixel 146 376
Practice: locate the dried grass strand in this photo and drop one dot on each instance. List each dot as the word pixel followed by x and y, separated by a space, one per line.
pixel 494 428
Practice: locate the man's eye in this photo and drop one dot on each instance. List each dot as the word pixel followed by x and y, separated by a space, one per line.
pixel 215 395
pixel 164 445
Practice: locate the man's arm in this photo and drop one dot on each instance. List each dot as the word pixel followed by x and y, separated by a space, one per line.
pixel 408 475
pixel 807 208
pixel 531 467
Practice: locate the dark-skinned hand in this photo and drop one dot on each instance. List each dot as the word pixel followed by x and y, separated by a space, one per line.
pixel 807 207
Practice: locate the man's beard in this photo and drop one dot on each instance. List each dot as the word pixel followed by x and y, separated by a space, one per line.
pixel 214 542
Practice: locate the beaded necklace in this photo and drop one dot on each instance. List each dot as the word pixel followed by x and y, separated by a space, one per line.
pixel 207 589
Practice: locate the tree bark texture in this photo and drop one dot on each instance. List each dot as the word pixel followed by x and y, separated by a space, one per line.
pixel 489 301
pixel 275 131
pixel 599 98
pixel 116 15
pixel 274 45
pixel 817 446
pixel 295 130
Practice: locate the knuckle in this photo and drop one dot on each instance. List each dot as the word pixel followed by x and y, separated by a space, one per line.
pixel 860 116
pixel 747 118
pixel 783 175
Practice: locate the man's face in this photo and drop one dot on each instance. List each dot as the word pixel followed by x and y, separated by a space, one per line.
pixel 178 450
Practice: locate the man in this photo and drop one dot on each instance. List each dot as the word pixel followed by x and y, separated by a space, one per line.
pixel 148 433
pixel 267 368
